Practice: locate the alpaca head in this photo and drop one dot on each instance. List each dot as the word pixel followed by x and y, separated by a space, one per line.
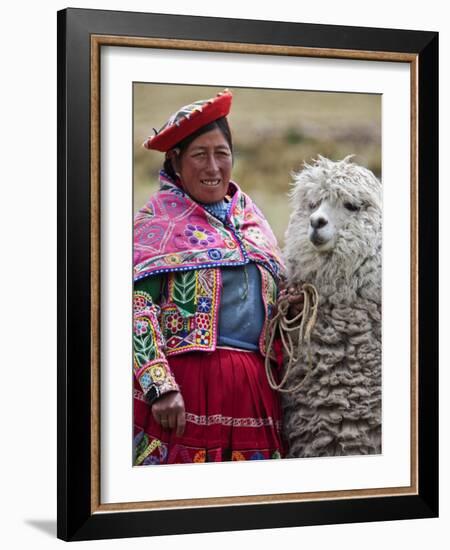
pixel 336 216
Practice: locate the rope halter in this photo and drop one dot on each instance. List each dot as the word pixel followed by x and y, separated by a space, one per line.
pixel 302 324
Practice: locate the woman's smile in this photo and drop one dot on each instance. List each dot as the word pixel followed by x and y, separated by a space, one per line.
pixel 211 183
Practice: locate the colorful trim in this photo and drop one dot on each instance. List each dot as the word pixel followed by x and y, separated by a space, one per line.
pixel 150 450
pixel 230 421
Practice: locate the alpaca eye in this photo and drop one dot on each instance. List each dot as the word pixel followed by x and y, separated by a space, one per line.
pixel 351 207
pixel 313 205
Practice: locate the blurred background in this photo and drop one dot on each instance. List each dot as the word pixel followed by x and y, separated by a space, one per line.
pixel 274 132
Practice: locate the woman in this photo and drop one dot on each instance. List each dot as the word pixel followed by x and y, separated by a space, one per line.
pixel 206 271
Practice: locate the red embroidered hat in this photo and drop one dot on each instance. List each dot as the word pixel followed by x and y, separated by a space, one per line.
pixel 189 119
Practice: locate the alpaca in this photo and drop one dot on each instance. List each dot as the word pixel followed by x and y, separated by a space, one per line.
pixel 333 241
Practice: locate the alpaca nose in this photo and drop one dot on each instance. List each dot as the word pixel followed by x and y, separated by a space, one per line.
pixel 318 222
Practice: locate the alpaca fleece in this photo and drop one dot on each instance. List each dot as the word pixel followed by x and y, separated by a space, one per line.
pixel 337 410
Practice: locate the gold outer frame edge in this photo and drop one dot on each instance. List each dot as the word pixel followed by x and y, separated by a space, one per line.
pixel 97 41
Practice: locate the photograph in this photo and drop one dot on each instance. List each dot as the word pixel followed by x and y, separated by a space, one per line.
pixel 257 274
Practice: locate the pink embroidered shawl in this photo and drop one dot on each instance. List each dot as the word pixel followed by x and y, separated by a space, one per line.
pixel 172 232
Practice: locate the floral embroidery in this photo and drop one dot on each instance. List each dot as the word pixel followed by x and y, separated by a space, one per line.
pixel 140 327
pixel 204 304
pixel 229 243
pixel 202 337
pixel 200 456
pixel 203 321
pixel 198 235
pixel 174 204
pixel 257 456
pixel 173 259
pixel 174 323
pixel 155 235
pixel 141 301
pixel 237 455
pixel 157 373
pixel 215 254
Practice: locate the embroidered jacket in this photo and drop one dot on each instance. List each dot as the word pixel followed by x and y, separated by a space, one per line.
pixel 179 249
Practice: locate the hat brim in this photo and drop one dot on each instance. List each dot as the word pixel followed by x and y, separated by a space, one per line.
pixel 190 122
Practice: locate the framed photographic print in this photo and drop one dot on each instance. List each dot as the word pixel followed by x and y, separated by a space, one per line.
pixel 352 111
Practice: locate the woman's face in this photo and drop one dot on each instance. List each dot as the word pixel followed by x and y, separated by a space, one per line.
pixel 205 167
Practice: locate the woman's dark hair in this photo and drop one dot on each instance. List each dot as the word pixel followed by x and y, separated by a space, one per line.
pixel 221 123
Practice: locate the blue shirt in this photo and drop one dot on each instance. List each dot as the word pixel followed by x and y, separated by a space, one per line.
pixel 241 312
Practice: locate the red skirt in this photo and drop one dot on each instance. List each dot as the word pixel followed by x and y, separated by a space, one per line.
pixel 231 412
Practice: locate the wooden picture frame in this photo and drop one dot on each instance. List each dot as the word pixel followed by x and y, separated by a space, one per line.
pixel 81 36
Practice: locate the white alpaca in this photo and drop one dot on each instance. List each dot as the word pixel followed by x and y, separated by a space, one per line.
pixel 334 242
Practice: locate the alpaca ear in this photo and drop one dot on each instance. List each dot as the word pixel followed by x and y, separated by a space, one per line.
pixel 295 174
pixel 349 157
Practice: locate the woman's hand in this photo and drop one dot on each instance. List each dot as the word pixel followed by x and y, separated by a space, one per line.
pixel 295 298
pixel 168 410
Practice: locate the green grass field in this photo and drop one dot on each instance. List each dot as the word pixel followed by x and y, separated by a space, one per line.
pixel 274 132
